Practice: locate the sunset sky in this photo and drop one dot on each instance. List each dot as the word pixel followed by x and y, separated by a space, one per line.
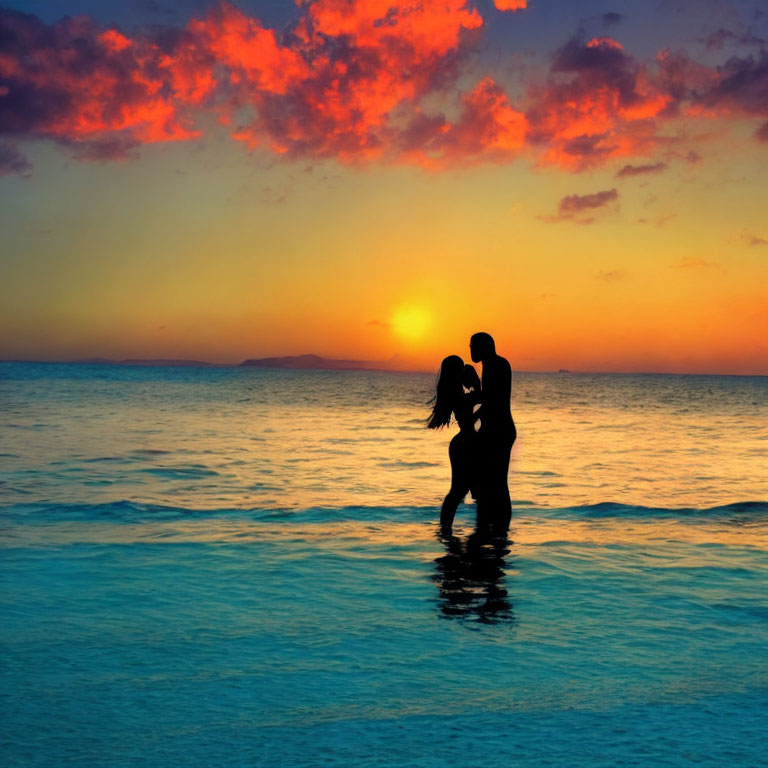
pixel 377 180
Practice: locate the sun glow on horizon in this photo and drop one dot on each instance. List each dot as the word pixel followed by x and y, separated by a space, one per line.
pixel 411 322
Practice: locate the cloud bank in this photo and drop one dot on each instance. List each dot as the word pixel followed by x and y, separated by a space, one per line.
pixel 358 81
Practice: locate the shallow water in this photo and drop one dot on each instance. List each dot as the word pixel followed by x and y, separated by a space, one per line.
pixel 249 438
pixel 240 568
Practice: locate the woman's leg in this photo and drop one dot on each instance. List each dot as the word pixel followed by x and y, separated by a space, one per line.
pixel 459 482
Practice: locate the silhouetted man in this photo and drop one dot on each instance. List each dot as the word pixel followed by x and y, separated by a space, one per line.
pixel 497 433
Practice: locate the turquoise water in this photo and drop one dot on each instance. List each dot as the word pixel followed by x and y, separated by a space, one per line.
pixel 237 568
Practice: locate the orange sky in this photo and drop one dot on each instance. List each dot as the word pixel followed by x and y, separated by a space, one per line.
pixel 248 193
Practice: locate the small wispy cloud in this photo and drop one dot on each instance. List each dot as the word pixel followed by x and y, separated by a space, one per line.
pixel 753 241
pixel 577 207
pixel 611 19
pixel 611 275
pixel 658 221
pixel 575 204
pixel 641 170
pixel 721 38
pixel 693 157
pixel 696 262
pixel 12 161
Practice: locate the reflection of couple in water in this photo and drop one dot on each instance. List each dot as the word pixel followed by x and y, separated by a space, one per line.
pixel 479 457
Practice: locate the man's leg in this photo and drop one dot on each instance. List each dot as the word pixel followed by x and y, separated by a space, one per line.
pixel 504 505
pixel 499 454
pixel 494 508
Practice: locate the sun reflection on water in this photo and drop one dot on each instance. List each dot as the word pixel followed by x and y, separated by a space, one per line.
pixel 242 439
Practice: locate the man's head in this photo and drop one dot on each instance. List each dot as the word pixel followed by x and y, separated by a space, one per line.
pixel 481 347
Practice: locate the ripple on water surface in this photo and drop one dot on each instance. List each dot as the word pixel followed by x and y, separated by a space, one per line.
pixel 239 437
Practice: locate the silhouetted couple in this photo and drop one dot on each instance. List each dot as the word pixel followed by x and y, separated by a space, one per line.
pixel 479 457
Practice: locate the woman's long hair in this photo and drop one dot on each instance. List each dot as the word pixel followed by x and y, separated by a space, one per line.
pixel 449 386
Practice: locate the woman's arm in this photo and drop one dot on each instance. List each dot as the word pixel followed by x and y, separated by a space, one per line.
pixel 471 381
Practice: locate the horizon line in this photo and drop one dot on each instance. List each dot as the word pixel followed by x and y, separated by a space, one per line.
pixel 191 363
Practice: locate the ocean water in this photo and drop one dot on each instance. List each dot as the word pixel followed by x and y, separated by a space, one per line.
pixel 241 567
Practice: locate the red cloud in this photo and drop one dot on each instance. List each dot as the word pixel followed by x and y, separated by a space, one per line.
pixel 250 53
pixel 368 62
pixel 488 127
pixel 597 103
pixel 76 82
pixel 354 80
pixel 605 42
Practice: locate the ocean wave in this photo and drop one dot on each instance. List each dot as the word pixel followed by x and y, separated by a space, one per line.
pixel 135 512
pixel 616 509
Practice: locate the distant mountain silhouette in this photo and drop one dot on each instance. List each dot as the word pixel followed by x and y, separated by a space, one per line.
pixel 312 363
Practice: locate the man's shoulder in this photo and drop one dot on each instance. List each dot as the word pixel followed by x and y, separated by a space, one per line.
pixel 502 363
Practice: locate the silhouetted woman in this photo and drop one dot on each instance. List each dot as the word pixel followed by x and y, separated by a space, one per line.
pixel 451 399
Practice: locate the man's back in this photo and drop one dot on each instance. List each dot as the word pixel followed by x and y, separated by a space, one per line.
pixel 496 393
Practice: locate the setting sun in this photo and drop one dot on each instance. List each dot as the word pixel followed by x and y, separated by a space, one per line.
pixel 411 322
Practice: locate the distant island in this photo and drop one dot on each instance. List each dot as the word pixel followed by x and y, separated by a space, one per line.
pixel 312 363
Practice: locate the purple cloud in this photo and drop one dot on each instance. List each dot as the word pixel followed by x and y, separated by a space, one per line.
pixel 641 170
pixel 573 205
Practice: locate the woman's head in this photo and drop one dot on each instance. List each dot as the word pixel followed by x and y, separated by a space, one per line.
pixel 449 385
pixel 451 371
